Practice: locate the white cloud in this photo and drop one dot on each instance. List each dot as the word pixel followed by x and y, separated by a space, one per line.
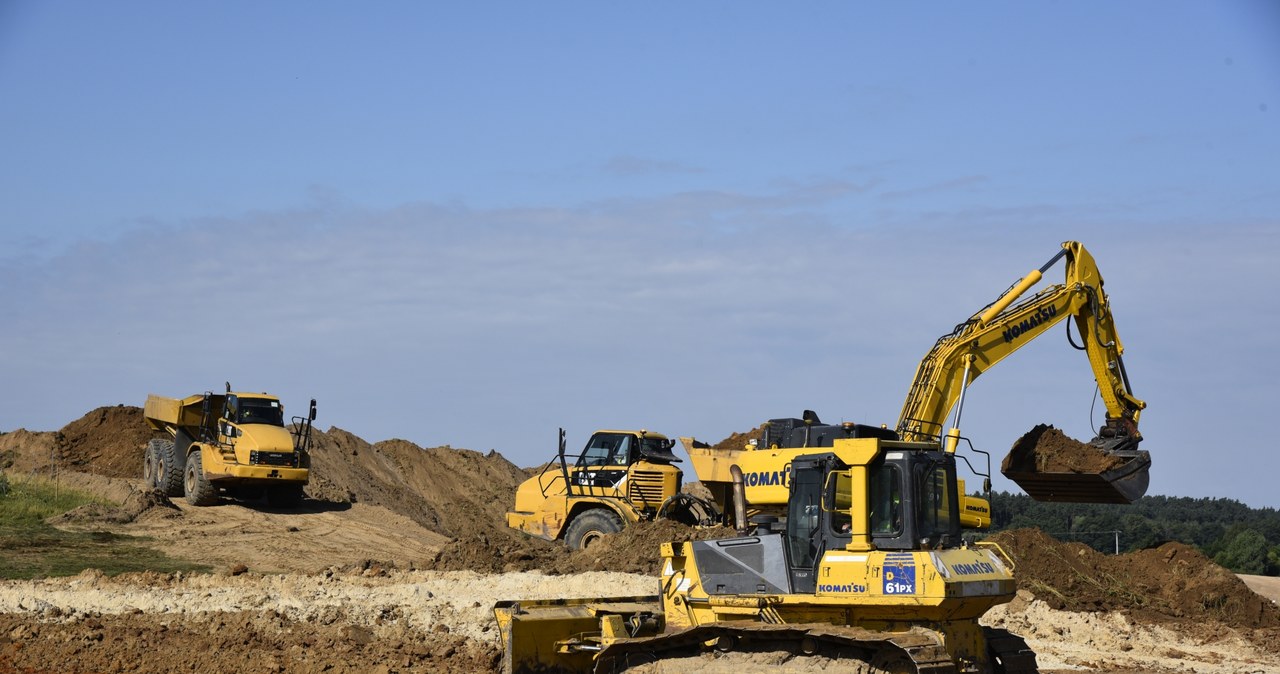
pixel 699 313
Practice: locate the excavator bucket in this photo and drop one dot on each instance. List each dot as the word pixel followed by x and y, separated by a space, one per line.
pixel 1050 466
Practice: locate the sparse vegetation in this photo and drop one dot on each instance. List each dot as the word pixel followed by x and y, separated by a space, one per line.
pixel 30 548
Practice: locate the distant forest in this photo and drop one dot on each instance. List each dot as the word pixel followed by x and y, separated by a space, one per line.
pixel 1240 538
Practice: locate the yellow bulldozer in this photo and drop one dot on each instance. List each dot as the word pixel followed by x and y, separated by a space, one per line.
pixel 850 541
pixel 233 444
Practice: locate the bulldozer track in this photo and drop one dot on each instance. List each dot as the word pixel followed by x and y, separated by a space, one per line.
pixel 917 651
pixel 1009 652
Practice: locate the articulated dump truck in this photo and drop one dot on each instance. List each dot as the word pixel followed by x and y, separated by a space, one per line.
pixel 233 444
pixel 849 542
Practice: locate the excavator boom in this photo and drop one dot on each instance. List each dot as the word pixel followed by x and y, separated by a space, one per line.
pixel 994 333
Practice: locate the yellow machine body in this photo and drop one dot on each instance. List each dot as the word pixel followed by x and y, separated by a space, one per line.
pixel 849 538
pixel 621 477
pixel 872 591
pixel 242 443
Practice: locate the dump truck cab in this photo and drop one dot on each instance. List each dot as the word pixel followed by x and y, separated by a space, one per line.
pixel 252 426
pixel 249 408
pixel 620 477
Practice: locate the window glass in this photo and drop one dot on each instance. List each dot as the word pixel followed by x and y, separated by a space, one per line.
pixel 840 499
pixel 259 411
pixel 803 513
pixel 607 449
pixel 935 501
pixel 886 499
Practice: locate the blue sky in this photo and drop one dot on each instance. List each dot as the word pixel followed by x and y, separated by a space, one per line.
pixel 472 224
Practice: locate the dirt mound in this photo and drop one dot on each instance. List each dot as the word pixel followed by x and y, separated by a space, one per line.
pixel 1045 449
pixel 456 492
pixel 145 502
pixel 22 451
pixel 1170 583
pixel 107 441
pixel 636 548
pixel 633 550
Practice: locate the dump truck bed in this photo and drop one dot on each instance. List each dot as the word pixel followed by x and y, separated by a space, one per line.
pixel 164 413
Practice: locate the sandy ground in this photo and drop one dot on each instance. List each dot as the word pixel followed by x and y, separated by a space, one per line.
pixel 1067 641
pixel 409 606
pixel 310 538
pixel 462 601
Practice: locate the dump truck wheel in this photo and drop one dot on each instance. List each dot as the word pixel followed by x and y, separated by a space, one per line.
pixel 151 467
pixel 168 469
pixel 285 496
pixel 199 491
pixel 589 527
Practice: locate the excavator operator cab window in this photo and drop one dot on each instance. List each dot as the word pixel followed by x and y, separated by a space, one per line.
pixel 839 500
pixel 886 500
pixel 805 539
pixel 937 504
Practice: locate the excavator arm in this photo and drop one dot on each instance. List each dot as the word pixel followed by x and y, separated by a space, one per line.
pixel 998 330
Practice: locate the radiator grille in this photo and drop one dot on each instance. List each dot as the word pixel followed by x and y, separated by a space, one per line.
pixel 647 487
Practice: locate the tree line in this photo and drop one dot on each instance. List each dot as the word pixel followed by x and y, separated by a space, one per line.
pixel 1240 538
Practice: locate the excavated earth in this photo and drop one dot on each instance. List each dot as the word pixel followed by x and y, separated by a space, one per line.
pixel 395 560
pixel 1045 449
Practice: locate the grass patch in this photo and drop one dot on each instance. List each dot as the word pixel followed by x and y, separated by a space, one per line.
pixel 29 548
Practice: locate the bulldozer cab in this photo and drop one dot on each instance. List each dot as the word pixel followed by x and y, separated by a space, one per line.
pixel 911 504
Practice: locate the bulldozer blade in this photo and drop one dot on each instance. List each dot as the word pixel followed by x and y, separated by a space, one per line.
pixel 560 635
pixel 1123 484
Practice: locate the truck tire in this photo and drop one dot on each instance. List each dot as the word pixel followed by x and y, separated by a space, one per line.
pixel 151 467
pixel 284 496
pixel 167 475
pixel 199 491
pixel 589 527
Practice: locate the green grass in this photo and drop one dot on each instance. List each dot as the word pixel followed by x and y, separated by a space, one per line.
pixel 29 548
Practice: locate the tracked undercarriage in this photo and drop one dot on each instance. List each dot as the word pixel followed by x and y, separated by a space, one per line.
pixel 630 637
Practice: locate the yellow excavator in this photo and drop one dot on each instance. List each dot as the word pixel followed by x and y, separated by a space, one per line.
pixel 854 553
pixel 995 332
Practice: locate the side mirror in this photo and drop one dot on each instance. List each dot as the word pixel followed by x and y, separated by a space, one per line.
pixel 312 416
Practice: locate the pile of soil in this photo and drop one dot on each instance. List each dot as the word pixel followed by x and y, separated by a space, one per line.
pixel 142 502
pixel 1170 583
pixel 107 441
pixel 741 440
pixel 1045 449
pixel 456 492
pixel 633 550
